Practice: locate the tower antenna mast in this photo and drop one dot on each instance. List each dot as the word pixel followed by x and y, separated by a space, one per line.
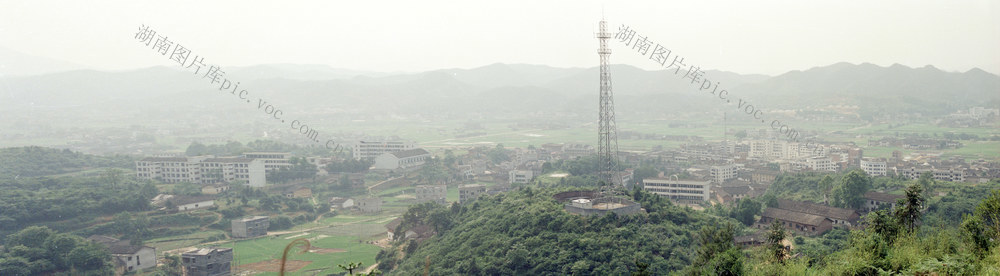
pixel 607 142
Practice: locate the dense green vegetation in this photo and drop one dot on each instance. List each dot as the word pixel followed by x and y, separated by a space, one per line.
pixel 39 161
pixel 74 201
pixel 38 250
pixel 527 232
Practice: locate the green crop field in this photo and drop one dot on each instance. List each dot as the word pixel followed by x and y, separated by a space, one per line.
pixel 325 254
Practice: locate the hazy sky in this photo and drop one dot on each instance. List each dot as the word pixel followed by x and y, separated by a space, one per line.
pixel 768 37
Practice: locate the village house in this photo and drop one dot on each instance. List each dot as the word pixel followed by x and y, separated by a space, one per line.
pixel 877 200
pixel 808 224
pixel 250 227
pixel 369 204
pixel 127 257
pixel 341 203
pixel 433 193
pixel 186 203
pixel 838 216
pixel 214 261
pixel 470 191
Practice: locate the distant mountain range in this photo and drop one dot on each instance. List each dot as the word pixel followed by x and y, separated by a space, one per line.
pixel 506 89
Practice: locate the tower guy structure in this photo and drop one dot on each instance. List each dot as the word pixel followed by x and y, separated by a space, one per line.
pixel 607 131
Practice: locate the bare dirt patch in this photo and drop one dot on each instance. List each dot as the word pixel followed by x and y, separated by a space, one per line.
pixel 274 265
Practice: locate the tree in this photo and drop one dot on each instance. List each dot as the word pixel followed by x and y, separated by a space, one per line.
pixel 826 184
pixel 982 228
pixel 908 209
pixel 717 254
pixel 927 182
pixel 350 267
pixel 850 193
pixel 745 211
pixel 90 256
pixel 775 235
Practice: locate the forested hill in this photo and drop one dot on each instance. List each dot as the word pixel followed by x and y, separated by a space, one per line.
pixel 39 161
pixel 527 232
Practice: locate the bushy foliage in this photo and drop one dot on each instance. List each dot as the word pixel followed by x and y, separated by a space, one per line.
pixel 528 233
pixel 38 250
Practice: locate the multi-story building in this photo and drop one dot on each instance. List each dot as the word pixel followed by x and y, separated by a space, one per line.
pixel 250 227
pixel 821 164
pixel 215 261
pixel 725 172
pixel 678 190
pixel 272 160
pixel 435 193
pixel 950 174
pixel 520 176
pixel 874 167
pixel 202 170
pixel 229 169
pixel 169 169
pixel 470 192
pixel 367 150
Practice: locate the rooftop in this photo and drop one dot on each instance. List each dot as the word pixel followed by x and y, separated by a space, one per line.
pixel 410 153
pixel 797 217
pixel 817 209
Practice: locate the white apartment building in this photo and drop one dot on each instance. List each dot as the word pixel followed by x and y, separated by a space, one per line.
pixel 821 164
pixel 873 167
pixel 520 176
pixel 272 160
pixel 202 170
pixel 725 172
pixel 678 190
pixel 366 150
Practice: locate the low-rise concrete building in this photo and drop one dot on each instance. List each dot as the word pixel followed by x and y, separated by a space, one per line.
pixel 877 200
pixel 520 176
pixel 797 221
pixel 369 204
pixel 434 193
pixel 215 261
pixel 186 203
pixel 470 191
pixel 837 216
pixel 250 227
pixel 341 203
pixel 127 257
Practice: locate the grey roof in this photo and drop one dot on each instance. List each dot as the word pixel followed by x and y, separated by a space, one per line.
pixel 819 210
pixel 882 197
pixel 410 153
pixel 792 216
pixel 736 190
pixel 228 160
pixel 165 159
pixel 206 251
pixel 116 246
pixel 181 200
